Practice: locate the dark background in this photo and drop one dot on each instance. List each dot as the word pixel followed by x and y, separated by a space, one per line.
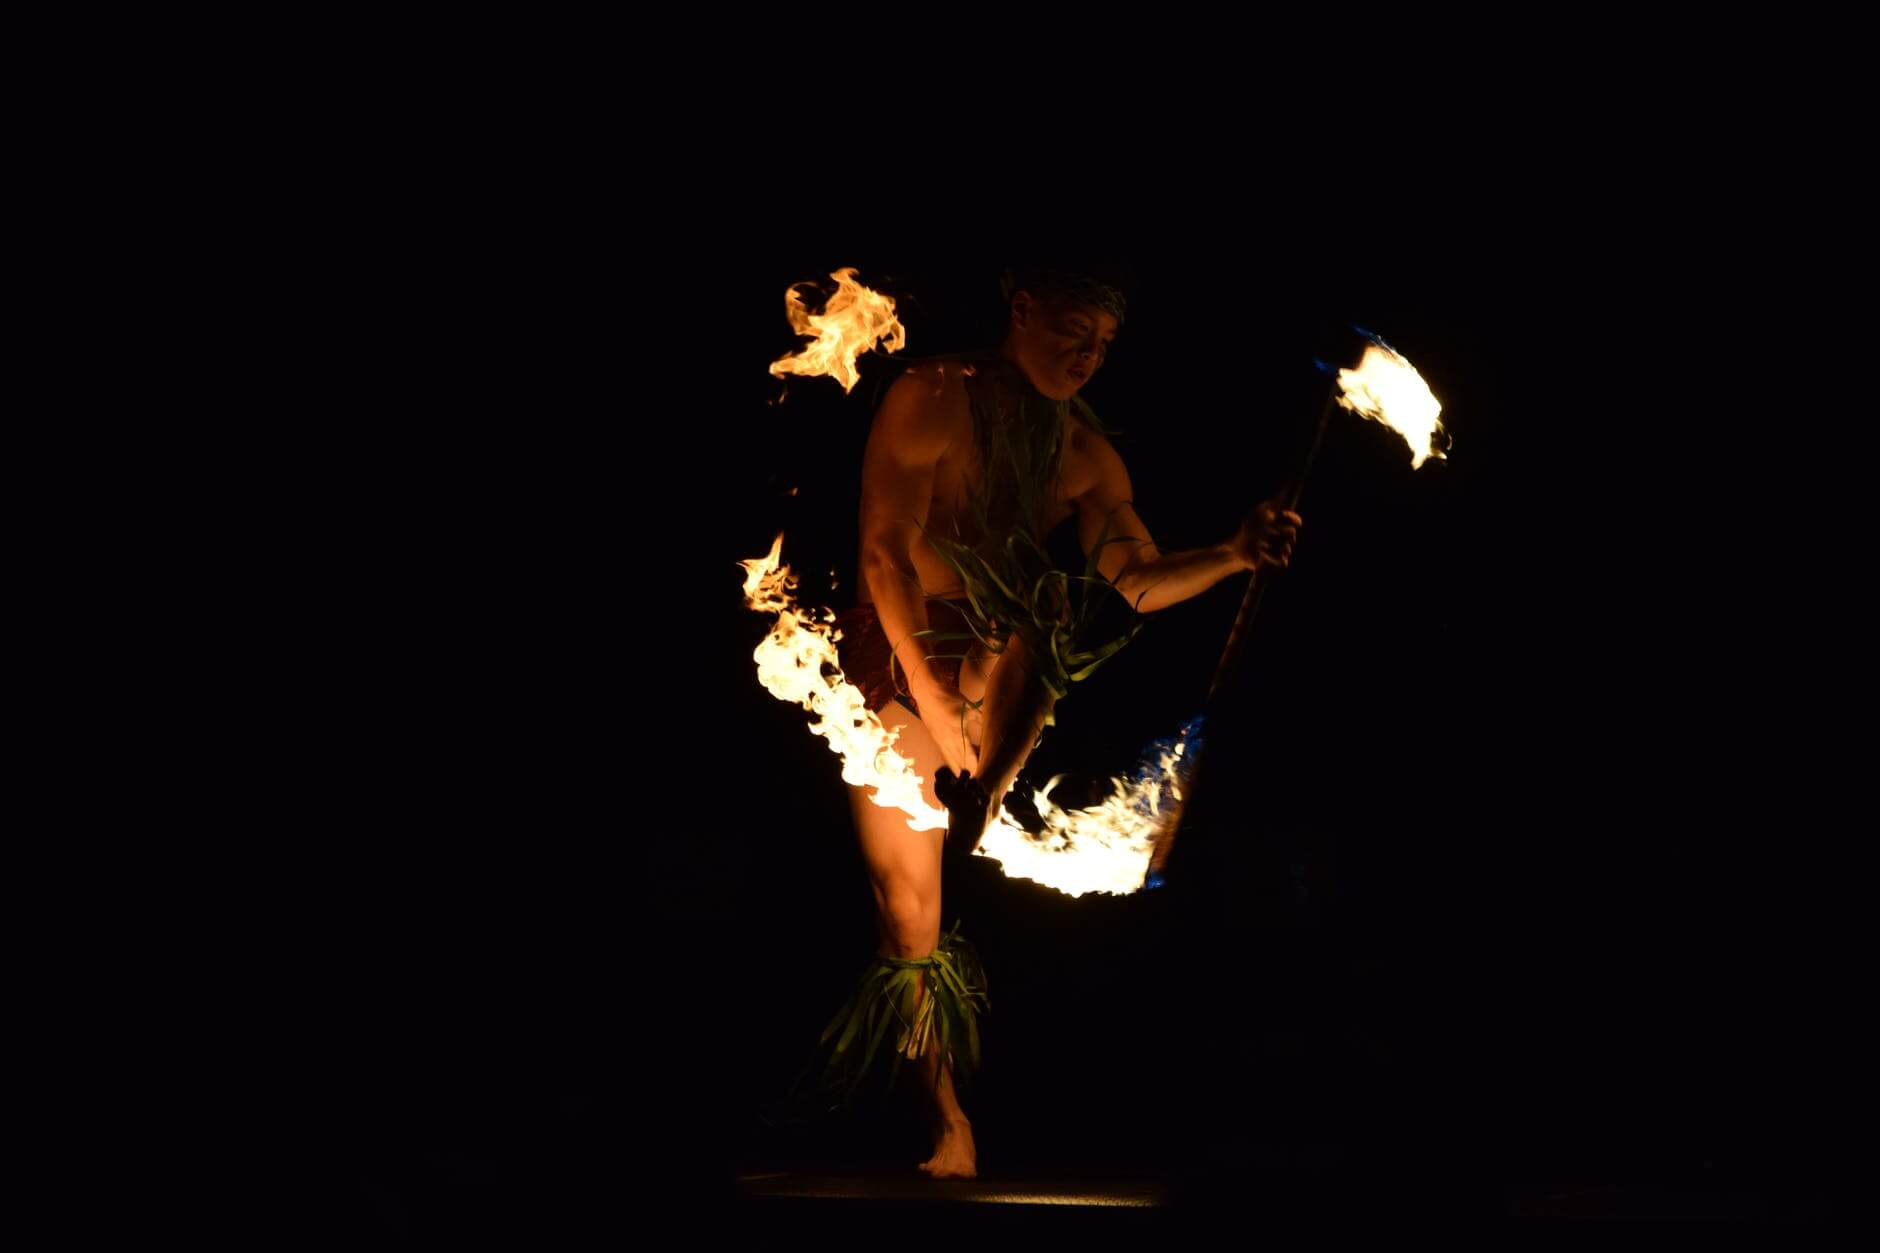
pixel 1497 890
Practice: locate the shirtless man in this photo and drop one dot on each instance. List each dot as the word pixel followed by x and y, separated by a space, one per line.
pixel 920 465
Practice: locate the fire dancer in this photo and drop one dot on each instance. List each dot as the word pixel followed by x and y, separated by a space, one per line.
pixel 970 464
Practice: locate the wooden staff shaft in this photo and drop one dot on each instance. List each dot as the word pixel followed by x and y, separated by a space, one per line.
pixel 1236 638
pixel 1263 575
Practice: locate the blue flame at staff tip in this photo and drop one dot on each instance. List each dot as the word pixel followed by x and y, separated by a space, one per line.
pixel 1330 370
pixel 1374 337
pixel 1189 735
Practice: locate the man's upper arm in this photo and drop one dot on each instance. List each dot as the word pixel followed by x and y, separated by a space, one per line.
pixel 1109 502
pixel 905 444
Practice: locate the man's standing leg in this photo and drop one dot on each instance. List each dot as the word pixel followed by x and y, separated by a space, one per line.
pixel 904 870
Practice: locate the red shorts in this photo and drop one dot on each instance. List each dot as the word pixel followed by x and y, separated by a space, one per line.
pixel 868 659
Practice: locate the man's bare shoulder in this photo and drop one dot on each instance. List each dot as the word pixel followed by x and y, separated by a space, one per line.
pixel 924 413
pixel 928 397
pixel 1093 466
pixel 943 380
pixel 1088 441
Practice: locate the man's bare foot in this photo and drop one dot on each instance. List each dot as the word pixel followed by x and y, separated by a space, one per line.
pixel 953 1155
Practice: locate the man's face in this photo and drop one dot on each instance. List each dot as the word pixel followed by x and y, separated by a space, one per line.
pixel 1058 342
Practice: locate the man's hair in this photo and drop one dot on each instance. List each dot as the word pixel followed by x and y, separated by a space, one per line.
pixel 1083 286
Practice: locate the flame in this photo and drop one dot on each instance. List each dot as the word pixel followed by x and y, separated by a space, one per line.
pixel 853 321
pixel 1386 388
pixel 1104 848
pixel 791 664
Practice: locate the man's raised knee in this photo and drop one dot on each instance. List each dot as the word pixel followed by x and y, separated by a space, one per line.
pixel 913 921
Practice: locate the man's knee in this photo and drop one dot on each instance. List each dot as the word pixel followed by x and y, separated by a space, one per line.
pixel 913 919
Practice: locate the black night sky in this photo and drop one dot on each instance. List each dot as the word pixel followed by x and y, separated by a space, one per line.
pixel 1482 903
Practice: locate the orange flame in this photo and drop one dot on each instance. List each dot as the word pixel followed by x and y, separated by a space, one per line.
pixel 1386 388
pixel 853 321
pixel 791 664
pixel 1104 848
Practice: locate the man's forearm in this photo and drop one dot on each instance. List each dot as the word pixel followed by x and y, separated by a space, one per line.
pixel 902 607
pixel 1174 577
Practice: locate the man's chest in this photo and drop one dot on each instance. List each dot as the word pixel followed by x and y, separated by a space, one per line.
pixel 962 471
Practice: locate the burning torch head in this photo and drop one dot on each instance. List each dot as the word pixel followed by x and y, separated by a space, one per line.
pixel 1386 388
